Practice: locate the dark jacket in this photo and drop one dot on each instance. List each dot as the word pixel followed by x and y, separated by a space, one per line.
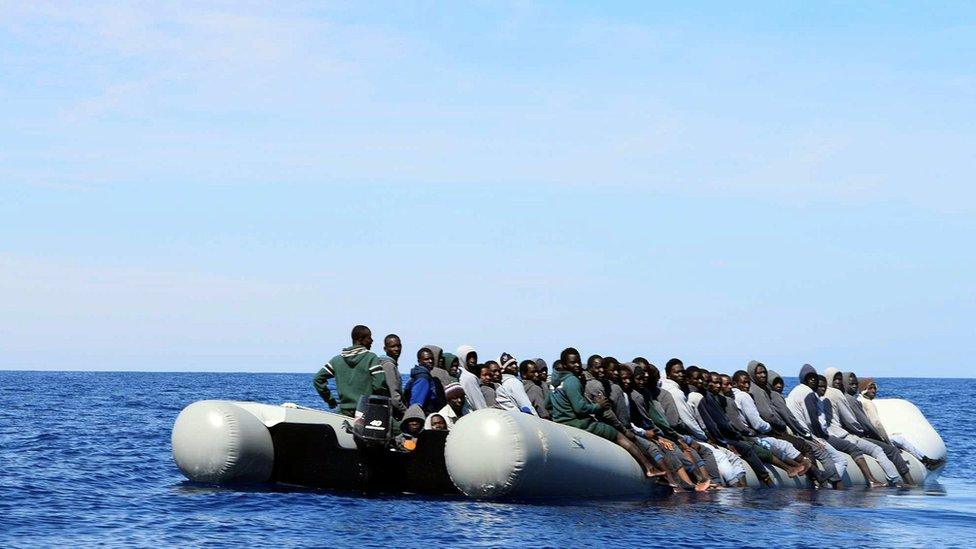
pixel 424 390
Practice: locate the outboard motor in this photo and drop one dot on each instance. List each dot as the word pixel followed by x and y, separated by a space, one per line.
pixel 373 423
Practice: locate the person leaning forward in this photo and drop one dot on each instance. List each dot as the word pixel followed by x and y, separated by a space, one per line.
pixel 357 372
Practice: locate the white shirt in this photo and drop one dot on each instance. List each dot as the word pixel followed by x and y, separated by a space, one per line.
pixel 749 412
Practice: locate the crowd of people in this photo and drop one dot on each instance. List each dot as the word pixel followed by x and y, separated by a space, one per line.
pixel 696 428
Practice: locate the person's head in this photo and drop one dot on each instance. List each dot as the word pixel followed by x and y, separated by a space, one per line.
pixel 569 360
pixel 808 377
pixel 454 368
pixel 392 346
pixel 653 375
pixel 558 366
pixel 496 371
pixel 625 375
pixel 509 364
pixel 611 369
pixel 541 370
pixel 640 378
pixel 595 367
pixel 675 370
pixel 870 388
pixel 693 377
pixel 425 358
pixel 362 336
pixel 741 380
pixel 437 423
pixel 527 370
pixel 851 383
pixel 412 426
pixel 485 374
pixel 821 385
pixel 777 384
pixel 761 374
pixel 726 381
pixel 471 360
pixel 714 382
pixel 455 396
pixel 641 361
pixel 838 381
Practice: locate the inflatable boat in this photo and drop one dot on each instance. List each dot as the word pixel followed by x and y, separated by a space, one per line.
pixel 488 454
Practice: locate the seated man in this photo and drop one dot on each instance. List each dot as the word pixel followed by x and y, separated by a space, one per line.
pixel 469 377
pixel 804 405
pixel 357 372
pixel 533 389
pixel 570 407
pixel 510 394
pixel 487 385
pixel 869 390
pixel 861 421
pixel 840 439
pixel 410 428
pixel 456 406
pixel 435 422
pixel 735 400
pixel 844 424
pixel 423 389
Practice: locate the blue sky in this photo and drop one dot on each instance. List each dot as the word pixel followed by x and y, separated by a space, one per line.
pixel 233 186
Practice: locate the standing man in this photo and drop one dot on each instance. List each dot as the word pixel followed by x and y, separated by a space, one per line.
pixel 392 346
pixel 357 372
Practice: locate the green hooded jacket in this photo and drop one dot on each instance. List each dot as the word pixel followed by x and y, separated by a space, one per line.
pixel 569 404
pixel 357 372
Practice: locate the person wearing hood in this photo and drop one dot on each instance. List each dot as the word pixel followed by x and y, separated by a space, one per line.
pixel 533 389
pixel 848 387
pixel 357 373
pixel 439 370
pixel 423 389
pixel 570 407
pixel 841 439
pixel 784 455
pixel 435 422
pixel 410 428
pixel 392 347
pixel 750 416
pixel 453 366
pixel 869 391
pixel 683 418
pixel 844 424
pixel 542 377
pixel 804 407
pixel 469 377
pixel 510 394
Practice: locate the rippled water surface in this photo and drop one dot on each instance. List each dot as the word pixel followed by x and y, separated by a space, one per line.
pixel 85 459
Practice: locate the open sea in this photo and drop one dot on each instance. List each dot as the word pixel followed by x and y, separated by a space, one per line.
pixel 85 460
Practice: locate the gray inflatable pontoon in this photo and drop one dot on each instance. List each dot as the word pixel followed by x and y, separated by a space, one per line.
pixel 488 454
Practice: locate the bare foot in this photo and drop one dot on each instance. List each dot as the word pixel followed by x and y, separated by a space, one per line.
pixel 652 474
pixel 703 485
pixel 876 484
pixel 805 466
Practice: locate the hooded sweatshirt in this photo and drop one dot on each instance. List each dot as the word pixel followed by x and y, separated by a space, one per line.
pixel 437 371
pixel 537 397
pixel 469 382
pixel 804 404
pixel 357 372
pixel 394 383
pixel 870 409
pixel 686 416
pixel 762 399
pixel 511 395
pixel 749 411
pixel 844 415
pixel 448 359
pixel 857 409
pixel 413 412
pixel 425 390
pixel 569 404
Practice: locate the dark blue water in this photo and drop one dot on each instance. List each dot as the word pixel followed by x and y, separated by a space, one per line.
pixel 85 460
